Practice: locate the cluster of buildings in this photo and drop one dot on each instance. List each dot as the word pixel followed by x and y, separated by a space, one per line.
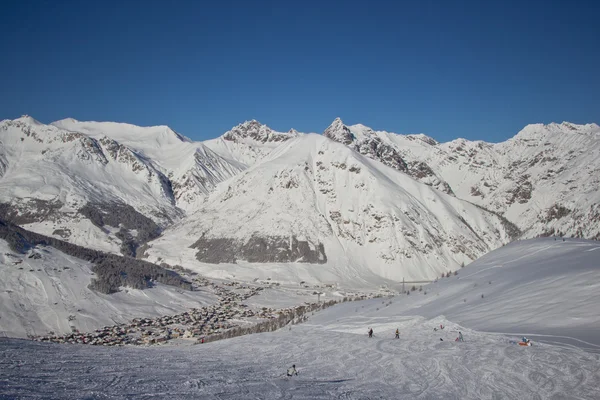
pixel 195 324
pixel 228 316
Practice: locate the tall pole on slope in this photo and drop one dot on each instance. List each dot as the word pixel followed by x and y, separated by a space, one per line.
pixel 402 285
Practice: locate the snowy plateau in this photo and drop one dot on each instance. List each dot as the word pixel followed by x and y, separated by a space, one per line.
pixel 140 236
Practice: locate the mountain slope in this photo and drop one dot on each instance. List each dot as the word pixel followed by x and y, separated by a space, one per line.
pixel 50 173
pixel 546 179
pixel 381 146
pixel 192 168
pixel 314 200
pixel 51 285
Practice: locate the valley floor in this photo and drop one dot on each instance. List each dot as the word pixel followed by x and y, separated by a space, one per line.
pixel 332 353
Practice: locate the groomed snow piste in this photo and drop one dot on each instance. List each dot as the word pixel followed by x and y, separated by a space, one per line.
pixel 336 359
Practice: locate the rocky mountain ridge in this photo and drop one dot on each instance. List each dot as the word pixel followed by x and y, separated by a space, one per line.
pixel 254 195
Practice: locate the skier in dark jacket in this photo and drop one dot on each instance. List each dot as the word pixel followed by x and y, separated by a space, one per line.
pixel 397 334
pixel 370 332
pixel 292 371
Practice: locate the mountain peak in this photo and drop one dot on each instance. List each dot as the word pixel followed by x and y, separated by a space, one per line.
pixel 532 131
pixel 339 132
pixel 28 120
pixel 256 131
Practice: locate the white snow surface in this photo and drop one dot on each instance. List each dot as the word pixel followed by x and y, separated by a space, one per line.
pixel 39 295
pixel 336 359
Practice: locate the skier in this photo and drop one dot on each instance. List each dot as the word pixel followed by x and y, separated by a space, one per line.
pixel 370 332
pixel 525 340
pixel 441 326
pixel 460 337
pixel 397 334
pixel 292 371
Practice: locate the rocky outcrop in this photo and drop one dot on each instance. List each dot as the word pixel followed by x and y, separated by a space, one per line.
pixel 339 132
pixel 259 250
pixel 258 132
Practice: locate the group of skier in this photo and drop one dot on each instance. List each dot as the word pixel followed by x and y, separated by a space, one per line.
pixel 370 333
pixel 460 337
pixel 293 372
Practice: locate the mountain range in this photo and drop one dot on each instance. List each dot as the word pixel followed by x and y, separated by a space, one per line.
pixel 349 205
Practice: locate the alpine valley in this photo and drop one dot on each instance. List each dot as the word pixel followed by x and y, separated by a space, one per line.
pixel 351 206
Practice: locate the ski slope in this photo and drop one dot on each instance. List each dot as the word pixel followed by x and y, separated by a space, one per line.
pixel 332 353
pixel 541 287
pixel 336 359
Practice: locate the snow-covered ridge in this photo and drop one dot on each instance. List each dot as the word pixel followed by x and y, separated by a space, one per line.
pixel 381 146
pixel 542 169
pixel 545 180
pixel 123 132
pixel 258 132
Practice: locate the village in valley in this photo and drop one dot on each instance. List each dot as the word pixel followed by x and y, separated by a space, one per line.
pixel 229 317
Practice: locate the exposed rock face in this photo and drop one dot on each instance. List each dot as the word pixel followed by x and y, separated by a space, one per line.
pixel 3 161
pixel 375 149
pixel 339 132
pixel 259 250
pixel 378 147
pixel 257 131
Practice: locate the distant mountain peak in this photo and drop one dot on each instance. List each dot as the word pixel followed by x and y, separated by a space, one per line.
pixel 539 130
pixel 28 120
pixel 339 132
pixel 256 131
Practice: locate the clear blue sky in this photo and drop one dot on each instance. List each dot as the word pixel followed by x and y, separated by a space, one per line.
pixel 477 69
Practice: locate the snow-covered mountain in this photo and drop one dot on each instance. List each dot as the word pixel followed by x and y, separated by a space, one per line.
pixel 249 142
pixel 192 168
pixel 49 173
pixel 380 145
pixel 375 205
pixel 546 179
pixel 316 201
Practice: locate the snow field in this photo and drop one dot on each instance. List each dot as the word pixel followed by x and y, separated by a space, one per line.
pixel 332 353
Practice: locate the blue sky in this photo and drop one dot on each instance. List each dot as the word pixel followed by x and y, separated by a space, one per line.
pixel 473 69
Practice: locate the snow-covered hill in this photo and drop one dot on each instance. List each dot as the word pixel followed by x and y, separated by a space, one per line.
pixel 46 290
pixel 336 359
